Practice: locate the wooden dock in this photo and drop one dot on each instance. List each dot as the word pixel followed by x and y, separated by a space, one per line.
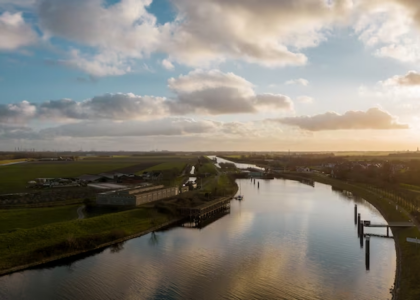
pixel 392 224
pixel 206 210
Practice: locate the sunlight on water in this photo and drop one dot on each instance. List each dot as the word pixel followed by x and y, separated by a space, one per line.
pixel 285 240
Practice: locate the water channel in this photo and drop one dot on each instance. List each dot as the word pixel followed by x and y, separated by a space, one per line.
pixel 285 240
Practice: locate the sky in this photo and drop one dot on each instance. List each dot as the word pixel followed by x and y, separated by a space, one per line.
pixel 187 75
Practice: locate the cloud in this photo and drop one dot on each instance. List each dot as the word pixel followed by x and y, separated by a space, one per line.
pixel 373 118
pixel 203 33
pixel 257 32
pixel 16 132
pixel 300 81
pixel 117 33
pixel 14 32
pixel 167 64
pixel 391 26
pixel 412 78
pixel 215 92
pixel 162 127
pixel 199 92
pixel 305 99
pixel 17 113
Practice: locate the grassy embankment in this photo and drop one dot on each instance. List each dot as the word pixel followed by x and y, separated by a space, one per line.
pixel 24 218
pixel 37 244
pixel 409 275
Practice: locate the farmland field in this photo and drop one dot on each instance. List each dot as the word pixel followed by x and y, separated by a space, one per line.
pixel 14 178
pixel 167 166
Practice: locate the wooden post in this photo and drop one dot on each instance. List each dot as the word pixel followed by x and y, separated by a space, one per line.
pixel 387 231
pixel 361 233
pixel 358 224
pixel 355 214
pixel 367 257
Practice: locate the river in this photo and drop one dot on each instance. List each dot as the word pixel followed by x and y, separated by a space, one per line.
pixel 285 240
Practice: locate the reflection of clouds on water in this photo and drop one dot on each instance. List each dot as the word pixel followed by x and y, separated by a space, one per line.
pixel 285 240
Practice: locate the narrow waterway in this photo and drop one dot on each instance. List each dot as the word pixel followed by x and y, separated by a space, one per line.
pixel 285 240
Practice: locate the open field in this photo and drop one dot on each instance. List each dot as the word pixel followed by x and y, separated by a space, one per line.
pixel 166 166
pixel 11 161
pixel 24 218
pixel 207 168
pixel 14 178
pixel 35 244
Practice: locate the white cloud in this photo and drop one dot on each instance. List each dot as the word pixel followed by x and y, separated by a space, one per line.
pixel 200 92
pixel 215 92
pixel 300 81
pixel 305 99
pixel 204 32
pixel 258 32
pixel 15 32
pixel 167 64
pixel 412 78
pixel 118 33
pixel 373 118
pixel 16 113
pixel 391 27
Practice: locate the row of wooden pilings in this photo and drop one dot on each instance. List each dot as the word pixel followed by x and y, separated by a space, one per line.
pixel 360 233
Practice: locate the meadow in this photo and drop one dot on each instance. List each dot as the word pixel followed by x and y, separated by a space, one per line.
pixel 179 165
pixel 24 218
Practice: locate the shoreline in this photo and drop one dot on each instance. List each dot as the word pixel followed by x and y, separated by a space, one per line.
pixel 101 246
pixel 395 294
pixel 104 245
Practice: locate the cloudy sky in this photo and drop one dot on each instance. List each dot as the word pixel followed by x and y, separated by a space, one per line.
pixel 210 74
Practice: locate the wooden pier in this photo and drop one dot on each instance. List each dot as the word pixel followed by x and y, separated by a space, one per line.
pixel 207 210
pixel 392 224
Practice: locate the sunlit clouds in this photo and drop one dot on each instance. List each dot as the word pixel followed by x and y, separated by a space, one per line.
pixel 267 75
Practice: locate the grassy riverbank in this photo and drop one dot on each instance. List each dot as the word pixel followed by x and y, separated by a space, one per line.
pixel 408 255
pixel 37 244
pixel 24 218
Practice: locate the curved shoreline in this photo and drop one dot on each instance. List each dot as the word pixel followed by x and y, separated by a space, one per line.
pixel 331 182
pixel 70 254
pixel 354 189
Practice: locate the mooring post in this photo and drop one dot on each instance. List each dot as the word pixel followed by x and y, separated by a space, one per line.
pixel 355 214
pixel 258 185
pixel 387 231
pixel 367 258
pixel 361 233
pixel 358 224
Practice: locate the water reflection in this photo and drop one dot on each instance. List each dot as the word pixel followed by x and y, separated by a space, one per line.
pixel 285 240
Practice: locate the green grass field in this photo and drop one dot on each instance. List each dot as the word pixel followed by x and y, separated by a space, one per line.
pixel 208 167
pixel 166 166
pixel 35 244
pixel 15 178
pixel 15 219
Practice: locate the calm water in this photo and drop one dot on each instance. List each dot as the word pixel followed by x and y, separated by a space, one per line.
pixel 285 240
pixel 238 165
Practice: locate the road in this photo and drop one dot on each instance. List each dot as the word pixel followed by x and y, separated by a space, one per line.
pixel 80 212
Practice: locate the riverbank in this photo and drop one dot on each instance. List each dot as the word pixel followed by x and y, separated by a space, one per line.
pixel 23 248
pixel 407 276
pixel 26 248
